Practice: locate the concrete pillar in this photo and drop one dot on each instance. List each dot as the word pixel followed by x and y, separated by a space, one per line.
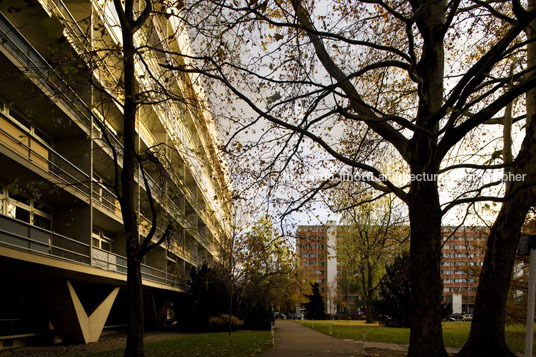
pixel 155 309
pixel 69 317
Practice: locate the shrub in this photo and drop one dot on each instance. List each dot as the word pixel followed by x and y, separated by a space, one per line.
pixel 258 317
pixel 221 322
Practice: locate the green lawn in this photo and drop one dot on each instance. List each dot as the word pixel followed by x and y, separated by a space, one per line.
pixel 454 333
pixel 241 343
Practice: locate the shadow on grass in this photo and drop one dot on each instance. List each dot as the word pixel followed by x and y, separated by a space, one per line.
pixel 455 333
pixel 241 343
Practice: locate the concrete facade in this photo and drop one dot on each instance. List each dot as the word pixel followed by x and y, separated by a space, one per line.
pixel 61 229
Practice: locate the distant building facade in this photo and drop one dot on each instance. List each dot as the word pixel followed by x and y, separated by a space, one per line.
pixel 312 251
pixel 462 256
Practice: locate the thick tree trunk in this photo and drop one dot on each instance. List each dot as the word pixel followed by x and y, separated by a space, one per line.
pixel 426 337
pixel 487 338
pixel 487 329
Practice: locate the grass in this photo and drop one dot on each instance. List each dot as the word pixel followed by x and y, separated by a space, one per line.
pixel 455 333
pixel 241 343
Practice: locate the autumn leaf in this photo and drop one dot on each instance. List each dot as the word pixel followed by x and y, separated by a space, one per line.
pixel 278 37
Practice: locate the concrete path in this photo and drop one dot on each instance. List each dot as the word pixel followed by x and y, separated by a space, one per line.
pixel 294 340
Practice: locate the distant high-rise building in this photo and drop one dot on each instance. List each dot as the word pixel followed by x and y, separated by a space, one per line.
pixel 317 251
pixel 462 256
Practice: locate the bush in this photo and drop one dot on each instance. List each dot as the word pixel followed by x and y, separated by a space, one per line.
pixel 221 322
pixel 258 317
pixel 393 304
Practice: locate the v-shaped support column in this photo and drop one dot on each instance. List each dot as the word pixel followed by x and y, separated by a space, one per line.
pixel 71 319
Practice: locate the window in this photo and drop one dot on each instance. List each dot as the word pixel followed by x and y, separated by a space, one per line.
pixel 13 114
pixel 101 239
pixel 25 209
pixel 42 222
pixel 20 198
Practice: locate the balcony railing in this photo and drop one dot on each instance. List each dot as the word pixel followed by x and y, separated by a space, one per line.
pixel 106 199
pixel 40 70
pixel 176 247
pixel 114 262
pixel 21 49
pixel 20 235
pixel 72 30
pixel 28 147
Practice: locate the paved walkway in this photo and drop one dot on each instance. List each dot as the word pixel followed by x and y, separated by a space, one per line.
pixel 293 339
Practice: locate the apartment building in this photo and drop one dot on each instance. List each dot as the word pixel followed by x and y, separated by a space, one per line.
pixel 316 246
pixel 62 242
pixel 462 256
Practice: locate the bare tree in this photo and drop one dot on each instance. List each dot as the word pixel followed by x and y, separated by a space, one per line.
pixel 373 67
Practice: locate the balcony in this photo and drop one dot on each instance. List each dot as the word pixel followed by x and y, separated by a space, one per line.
pixel 114 262
pixel 40 71
pixel 104 198
pixel 26 146
pixel 22 236
pixel 174 246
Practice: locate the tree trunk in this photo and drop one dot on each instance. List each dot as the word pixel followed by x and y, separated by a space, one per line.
pixel 364 288
pixel 134 346
pixel 368 298
pixel 486 337
pixel 426 338
pixel 128 193
pixel 487 329
pixel 368 306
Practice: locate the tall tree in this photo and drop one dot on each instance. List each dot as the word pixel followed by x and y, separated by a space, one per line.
pixel 299 79
pixel 267 268
pixel 487 335
pixel 112 68
pixel 373 233
pixel 130 163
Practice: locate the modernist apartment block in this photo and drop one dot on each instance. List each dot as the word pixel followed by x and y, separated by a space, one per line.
pixel 317 251
pixel 62 243
pixel 462 256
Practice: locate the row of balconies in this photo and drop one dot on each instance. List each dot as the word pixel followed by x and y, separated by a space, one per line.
pixel 68 173
pixel 63 172
pixel 23 236
pixel 168 113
